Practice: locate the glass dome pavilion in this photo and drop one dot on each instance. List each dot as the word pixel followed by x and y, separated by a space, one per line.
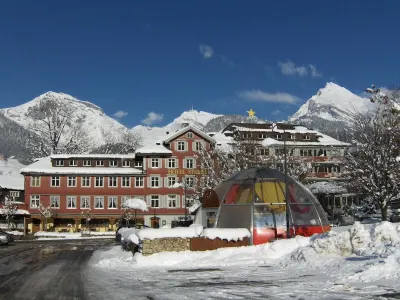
pixel 255 199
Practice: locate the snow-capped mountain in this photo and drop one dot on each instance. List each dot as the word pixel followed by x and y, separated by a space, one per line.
pixel 193 117
pixel 96 123
pixel 331 103
pixel 10 176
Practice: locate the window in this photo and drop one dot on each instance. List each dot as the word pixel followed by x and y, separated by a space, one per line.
pixel 126 163
pixel 172 201
pixel 124 198
pixel 99 163
pixel 154 181
pixel 55 181
pixel 85 181
pixel 14 194
pixel 138 164
pixel 262 136
pixel 181 146
pixel 99 202
pixel 278 136
pixel 172 163
pixel 99 182
pixel 198 146
pixel 113 163
pixel 85 202
pixel 71 181
pixel 189 181
pixel 291 136
pixel 112 181
pixel 264 151
pixel 155 163
pixel 155 201
pixel 189 163
pixel 59 163
pixel 246 135
pixel 126 181
pixel 55 201
pixel 189 135
pixel 73 163
pixel 71 201
pixel 35 201
pixel 171 180
pixel 35 181
pixel 87 163
pixel 307 137
pixel 139 181
pixel 112 202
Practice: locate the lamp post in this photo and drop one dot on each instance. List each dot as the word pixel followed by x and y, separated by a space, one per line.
pixel 286 180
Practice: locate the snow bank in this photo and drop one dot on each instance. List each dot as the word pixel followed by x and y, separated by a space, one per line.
pixel 194 230
pixel 230 234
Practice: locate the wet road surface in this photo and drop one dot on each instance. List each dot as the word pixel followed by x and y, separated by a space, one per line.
pixel 46 270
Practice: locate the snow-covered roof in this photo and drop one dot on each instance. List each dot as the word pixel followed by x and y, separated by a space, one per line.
pixel 326 187
pixel 186 129
pixel 44 166
pixel 111 156
pixel 18 212
pixel 153 149
pixel 324 140
pixel 10 177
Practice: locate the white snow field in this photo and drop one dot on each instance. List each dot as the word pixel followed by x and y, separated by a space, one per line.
pixel 357 263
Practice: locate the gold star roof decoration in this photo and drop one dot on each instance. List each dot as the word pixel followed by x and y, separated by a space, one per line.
pixel 251 112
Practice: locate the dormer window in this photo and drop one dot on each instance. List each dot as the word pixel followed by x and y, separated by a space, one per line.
pixel 113 163
pixel 307 137
pixel 99 163
pixel 126 163
pixel 189 135
pixel 73 163
pixel 278 136
pixel 138 164
pixel 59 163
pixel 87 163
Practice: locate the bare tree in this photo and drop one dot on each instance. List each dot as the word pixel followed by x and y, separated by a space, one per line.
pixel 372 163
pixel 58 127
pixel 87 215
pixel 10 210
pixel 46 212
pixel 119 143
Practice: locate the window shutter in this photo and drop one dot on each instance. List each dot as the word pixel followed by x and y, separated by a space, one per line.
pixel 160 162
pixel 160 181
pixel 194 163
pixel 148 181
pixel 193 146
pixel 166 181
pixel 184 163
pixel 166 162
pixel 178 199
pixel 149 163
pixel 148 200
pixel 177 163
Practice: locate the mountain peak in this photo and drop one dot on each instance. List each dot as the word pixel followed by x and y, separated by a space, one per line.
pixel 333 102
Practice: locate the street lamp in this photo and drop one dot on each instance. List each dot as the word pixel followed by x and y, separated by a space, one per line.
pixel 274 125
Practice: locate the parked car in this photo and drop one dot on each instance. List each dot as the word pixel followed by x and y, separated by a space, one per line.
pixel 9 237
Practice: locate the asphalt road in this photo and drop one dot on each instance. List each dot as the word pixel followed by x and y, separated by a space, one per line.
pixel 46 270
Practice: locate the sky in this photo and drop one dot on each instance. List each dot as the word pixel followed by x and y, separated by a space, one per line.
pixel 148 61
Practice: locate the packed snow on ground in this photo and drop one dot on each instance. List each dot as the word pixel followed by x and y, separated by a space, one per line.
pixel 358 263
pixel 47 235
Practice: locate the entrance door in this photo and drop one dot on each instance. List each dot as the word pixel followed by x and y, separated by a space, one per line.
pixel 35 225
pixel 155 222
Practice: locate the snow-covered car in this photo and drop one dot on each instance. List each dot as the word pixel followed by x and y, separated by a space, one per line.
pixel 5 236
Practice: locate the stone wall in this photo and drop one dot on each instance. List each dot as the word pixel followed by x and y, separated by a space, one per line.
pixel 149 247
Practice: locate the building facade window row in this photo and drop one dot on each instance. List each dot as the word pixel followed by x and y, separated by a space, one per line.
pixel 106 202
pixel 153 181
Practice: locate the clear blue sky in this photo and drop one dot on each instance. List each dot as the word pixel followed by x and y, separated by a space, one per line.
pixel 220 56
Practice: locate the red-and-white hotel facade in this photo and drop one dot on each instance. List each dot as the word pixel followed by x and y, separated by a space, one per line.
pixel 74 183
